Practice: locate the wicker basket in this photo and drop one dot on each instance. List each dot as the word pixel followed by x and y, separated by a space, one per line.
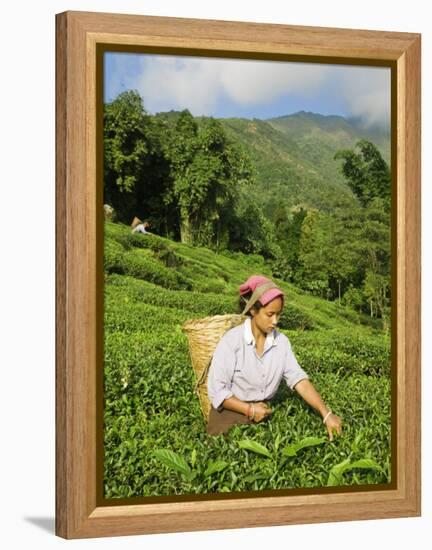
pixel 136 221
pixel 204 335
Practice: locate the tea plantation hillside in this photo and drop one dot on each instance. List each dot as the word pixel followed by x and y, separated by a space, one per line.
pixel 155 443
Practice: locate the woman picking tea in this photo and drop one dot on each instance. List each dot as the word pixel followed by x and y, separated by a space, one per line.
pixel 250 362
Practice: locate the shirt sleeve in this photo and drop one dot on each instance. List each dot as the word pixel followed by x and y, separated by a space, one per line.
pixel 220 375
pixel 293 373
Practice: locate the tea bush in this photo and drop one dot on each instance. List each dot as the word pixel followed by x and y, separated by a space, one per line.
pixel 113 257
pixel 144 266
pixel 196 303
pixel 343 353
pixel 155 441
pixel 294 318
pixel 179 426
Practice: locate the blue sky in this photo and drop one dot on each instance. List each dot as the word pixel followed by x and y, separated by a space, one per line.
pixel 249 88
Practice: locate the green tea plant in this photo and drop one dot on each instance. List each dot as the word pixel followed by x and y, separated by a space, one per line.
pixel 193 474
pixel 335 474
pixel 155 440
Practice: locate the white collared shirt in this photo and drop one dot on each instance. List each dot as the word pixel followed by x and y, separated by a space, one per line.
pixel 237 369
pixel 139 229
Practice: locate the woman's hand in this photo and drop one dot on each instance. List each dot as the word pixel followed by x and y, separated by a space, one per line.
pixel 261 411
pixel 333 424
pixel 312 397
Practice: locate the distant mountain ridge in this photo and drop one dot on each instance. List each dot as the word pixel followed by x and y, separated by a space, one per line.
pixel 294 155
pixel 301 122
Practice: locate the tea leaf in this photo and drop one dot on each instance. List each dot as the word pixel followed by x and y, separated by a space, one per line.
pixel 214 467
pixel 335 474
pixel 289 450
pixel 277 442
pixel 365 463
pixel 255 447
pixel 292 450
pixel 255 477
pixel 174 461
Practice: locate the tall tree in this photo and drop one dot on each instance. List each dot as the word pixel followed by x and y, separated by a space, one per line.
pixel 126 145
pixel 377 282
pixel 330 253
pixel 313 274
pixel 136 172
pixel 206 167
pixel 251 232
pixel 369 177
pixel 366 172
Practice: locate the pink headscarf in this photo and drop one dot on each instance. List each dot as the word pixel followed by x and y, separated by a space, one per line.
pixel 256 281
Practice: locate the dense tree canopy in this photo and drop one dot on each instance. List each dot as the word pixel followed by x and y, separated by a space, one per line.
pixel 199 185
pixel 366 172
pixel 182 174
pixel 206 168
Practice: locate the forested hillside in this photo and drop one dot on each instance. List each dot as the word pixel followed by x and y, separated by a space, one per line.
pixel 294 157
pixel 304 200
pixel 308 193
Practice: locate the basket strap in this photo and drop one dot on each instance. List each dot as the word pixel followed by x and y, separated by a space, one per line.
pixel 256 295
pixel 205 371
pixel 203 376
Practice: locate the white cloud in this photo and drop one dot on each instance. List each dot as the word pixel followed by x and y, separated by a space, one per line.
pixel 256 82
pixel 199 84
pixel 178 83
pixel 366 91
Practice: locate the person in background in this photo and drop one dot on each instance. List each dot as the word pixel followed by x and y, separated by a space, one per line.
pixel 251 360
pixel 141 228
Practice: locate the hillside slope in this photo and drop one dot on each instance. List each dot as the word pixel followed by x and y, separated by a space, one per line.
pixel 152 285
pixel 201 282
pixel 318 137
pixel 294 156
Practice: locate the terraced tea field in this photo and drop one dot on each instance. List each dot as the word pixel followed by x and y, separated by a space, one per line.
pixel 155 441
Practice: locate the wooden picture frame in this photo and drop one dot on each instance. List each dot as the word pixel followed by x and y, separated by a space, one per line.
pixel 78 296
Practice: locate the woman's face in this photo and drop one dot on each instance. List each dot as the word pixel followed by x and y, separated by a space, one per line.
pixel 266 318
